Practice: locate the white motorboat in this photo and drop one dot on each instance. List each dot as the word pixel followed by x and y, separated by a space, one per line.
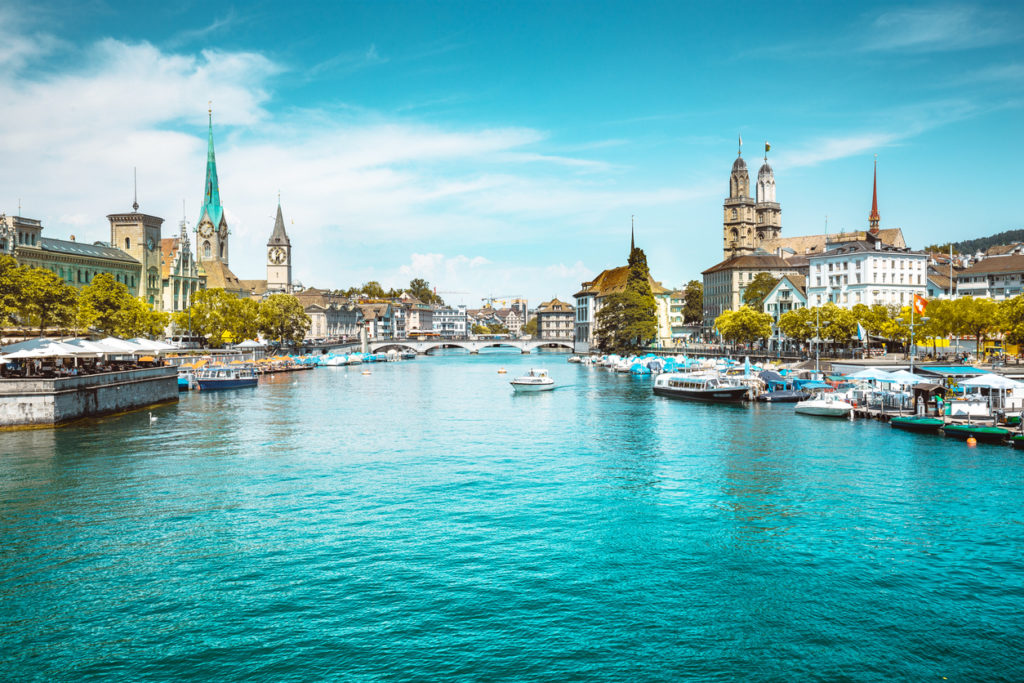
pixel 827 405
pixel 534 380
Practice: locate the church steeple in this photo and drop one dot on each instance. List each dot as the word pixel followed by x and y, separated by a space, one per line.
pixel 279 235
pixel 211 195
pixel 874 218
pixel 212 226
pixel 279 256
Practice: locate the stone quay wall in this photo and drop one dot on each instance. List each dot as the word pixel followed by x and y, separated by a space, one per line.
pixel 38 402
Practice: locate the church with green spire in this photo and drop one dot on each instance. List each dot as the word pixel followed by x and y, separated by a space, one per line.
pixel 212 230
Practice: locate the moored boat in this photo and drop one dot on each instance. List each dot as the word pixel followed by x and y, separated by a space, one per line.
pixel 534 380
pixel 783 396
pixel 920 425
pixel 982 433
pixel 824 405
pixel 226 377
pixel 186 378
pixel 700 387
pixel 1018 441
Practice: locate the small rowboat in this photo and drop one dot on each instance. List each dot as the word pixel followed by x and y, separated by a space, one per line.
pixel 982 433
pixel 920 425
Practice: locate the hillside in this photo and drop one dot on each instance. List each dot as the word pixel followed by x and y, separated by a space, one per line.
pixel 979 244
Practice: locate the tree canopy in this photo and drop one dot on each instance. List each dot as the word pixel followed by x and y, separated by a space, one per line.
pixel 628 319
pixel 693 303
pixel 758 289
pixel 744 325
pixel 282 318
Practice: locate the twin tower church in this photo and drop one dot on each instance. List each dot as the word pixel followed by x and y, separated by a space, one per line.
pixel 171 274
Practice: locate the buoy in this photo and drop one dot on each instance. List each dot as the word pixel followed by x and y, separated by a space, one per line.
pixel 501 371
pixel 366 372
pixel 971 442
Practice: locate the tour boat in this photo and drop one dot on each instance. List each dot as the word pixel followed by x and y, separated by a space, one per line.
pixel 534 380
pixel 982 433
pixel 226 377
pixel 826 405
pixel 186 379
pixel 921 425
pixel 700 387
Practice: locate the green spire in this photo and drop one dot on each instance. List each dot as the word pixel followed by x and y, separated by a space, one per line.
pixel 211 195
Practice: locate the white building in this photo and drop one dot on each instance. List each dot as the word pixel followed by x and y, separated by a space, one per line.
pixel 996 277
pixel 788 295
pixel 866 272
pixel 450 322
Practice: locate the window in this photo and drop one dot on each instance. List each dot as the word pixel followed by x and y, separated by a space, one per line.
pixel 127 243
pixel 734 214
pixel 206 250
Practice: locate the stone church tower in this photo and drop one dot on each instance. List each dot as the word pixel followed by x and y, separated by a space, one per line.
pixel 279 257
pixel 747 223
pixel 138 235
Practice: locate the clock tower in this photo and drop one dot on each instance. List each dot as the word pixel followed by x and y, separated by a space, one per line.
pixel 212 228
pixel 138 235
pixel 279 257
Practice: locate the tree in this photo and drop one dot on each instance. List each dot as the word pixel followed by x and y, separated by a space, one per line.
pixel 744 326
pixel 11 286
pixel 281 318
pixel 758 289
pixel 105 305
pixel 46 299
pixel 1011 319
pixel 420 289
pixel 498 328
pixel 837 324
pixel 798 324
pixel 976 317
pixel 481 329
pixel 530 327
pixel 373 290
pixel 693 303
pixel 213 314
pixel 244 320
pixel 140 320
pixel 627 319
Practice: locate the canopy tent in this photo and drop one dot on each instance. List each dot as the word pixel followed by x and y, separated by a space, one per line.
pixel 992 381
pixel 151 346
pixel 904 377
pixel 872 374
pixel 121 346
pixel 250 344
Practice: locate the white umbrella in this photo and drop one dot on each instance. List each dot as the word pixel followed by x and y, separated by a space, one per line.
pixel 992 381
pixel 904 377
pixel 121 346
pixel 871 373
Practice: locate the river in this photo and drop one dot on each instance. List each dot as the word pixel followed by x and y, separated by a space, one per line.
pixel 423 523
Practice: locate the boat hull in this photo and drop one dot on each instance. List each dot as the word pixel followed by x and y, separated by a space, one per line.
pixel 927 425
pixel 716 395
pixel 531 388
pixel 785 396
pixel 824 410
pixel 1018 441
pixel 218 384
pixel 981 433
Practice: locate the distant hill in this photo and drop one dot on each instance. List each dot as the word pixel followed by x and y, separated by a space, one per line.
pixel 980 244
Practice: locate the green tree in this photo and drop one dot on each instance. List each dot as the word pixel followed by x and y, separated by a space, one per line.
pixel 976 317
pixel 798 324
pixel 498 328
pixel 281 318
pixel 693 303
pixel 757 289
pixel 481 329
pixel 140 320
pixel 872 318
pixel 744 326
pixel 212 315
pixel 1011 319
pixel 420 289
pixel 837 324
pixel 11 286
pixel 530 327
pixel 47 300
pixel 373 290
pixel 243 322
pixel 627 320
pixel 106 306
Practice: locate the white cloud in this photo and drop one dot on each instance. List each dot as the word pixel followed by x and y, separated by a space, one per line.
pixel 935 29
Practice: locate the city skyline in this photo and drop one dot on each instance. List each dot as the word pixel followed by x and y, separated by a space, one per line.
pixel 504 149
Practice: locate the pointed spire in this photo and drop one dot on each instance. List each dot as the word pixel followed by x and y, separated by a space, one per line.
pixel 874 218
pixel 135 182
pixel 279 236
pixel 211 192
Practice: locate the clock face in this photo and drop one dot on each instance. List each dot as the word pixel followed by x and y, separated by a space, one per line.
pixel 277 255
pixel 205 229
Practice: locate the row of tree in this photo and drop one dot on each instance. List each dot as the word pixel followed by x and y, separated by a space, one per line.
pixel 964 317
pixel 38 298
pixel 418 287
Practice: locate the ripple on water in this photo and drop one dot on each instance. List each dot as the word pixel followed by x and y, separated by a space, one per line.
pixel 425 522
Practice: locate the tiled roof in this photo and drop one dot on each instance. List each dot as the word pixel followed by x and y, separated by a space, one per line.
pixel 762 261
pixel 995 264
pixel 255 287
pixel 555 306
pixel 815 244
pixel 374 311
pixel 219 276
pixel 84 249
pixel 613 280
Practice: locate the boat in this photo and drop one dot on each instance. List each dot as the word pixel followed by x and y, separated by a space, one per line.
pixel 783 396
pixel 700 387
pixel 982 433
pixel 1018 441
pixel 408 355
pixel 825 405
pixel 226 377
pixel 186 378
pixel 921 425
pixel 534 380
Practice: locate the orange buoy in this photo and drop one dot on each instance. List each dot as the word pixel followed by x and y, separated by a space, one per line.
pixel 501 371
pixel 971 442
pixel 366 372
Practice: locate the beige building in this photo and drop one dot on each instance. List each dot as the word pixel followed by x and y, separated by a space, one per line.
pixel 724 283
pixel 555 320
pixel 749 222
pixel 180 277
pixel 138 235
pixel 590 300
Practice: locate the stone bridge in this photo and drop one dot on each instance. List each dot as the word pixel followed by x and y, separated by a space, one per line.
pixel 471 345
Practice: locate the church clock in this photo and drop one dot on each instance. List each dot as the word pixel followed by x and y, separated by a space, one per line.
pixel 205 229
pixel 277 255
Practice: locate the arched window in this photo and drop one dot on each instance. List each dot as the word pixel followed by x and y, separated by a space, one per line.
pixel 222 250
pixel 206 250
pixel 734 214
pixel 127 243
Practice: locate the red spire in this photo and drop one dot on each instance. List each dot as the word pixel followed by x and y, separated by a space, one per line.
pixel 874 218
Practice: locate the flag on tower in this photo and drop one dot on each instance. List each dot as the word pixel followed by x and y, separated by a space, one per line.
pixel 767 147
pixel 919 303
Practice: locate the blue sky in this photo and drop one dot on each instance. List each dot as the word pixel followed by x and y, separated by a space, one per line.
pixel 502 148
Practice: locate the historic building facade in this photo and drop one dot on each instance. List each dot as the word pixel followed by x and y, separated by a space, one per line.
pixel 279 257
pixel 750 222
pixel 555 320
pixel 138 235
pixel 77 263
pixel 180 276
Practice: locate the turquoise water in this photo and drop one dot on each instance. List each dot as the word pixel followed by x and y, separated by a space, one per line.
pixel 424 523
